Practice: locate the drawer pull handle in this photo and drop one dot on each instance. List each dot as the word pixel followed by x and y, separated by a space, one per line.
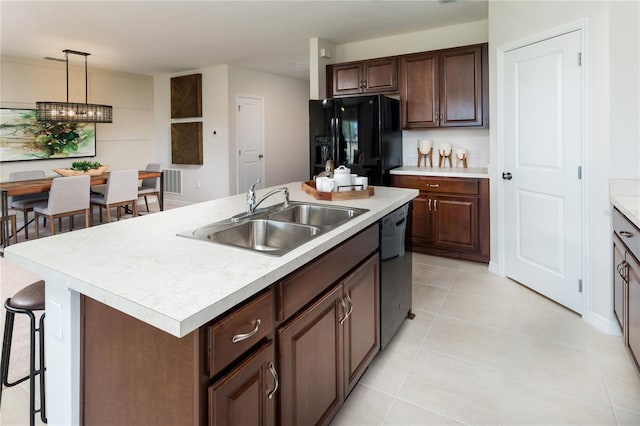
pixel 274 373
pixel 626 234
pixel 244 336
pixel 434 185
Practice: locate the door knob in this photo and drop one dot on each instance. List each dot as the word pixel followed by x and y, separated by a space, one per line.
pixel 506 176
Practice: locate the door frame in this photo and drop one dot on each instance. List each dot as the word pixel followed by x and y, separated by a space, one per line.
pixel 237 140
pixel 580 25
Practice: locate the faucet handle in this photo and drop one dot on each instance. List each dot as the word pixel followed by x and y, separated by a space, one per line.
pixel 253 187
pixel 285 192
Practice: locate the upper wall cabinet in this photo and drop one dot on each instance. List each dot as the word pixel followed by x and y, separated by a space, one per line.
pixel 363 77
pixel 445 88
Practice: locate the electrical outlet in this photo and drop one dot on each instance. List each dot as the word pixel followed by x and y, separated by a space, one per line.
pixel 198 185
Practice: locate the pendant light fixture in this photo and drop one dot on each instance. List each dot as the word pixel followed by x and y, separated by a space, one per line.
pixel 73 112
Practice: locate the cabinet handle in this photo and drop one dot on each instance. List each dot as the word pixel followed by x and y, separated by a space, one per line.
pixel 244 336
pixel 435 205
pixel 626 234
pixel 429 204
pixel 350 305
pixel 274 373
pixel 346 310
pixel 442 116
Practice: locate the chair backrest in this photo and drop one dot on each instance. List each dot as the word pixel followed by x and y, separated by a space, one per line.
pixel 27 175
pixel 69 194
pixel 122 185
pixel 152 182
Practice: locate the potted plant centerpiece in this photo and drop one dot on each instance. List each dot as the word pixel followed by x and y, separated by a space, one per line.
pixel 91 168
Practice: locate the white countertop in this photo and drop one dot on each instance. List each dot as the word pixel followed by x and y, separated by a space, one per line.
pixel 624 194
pixel 177 284
pixel 470 172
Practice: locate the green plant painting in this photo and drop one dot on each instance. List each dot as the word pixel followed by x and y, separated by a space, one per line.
pixel 22 137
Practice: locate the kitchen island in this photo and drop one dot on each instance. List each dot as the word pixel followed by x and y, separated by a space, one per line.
pixel 142 269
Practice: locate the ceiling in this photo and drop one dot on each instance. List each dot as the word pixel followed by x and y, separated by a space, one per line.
pixel 154 37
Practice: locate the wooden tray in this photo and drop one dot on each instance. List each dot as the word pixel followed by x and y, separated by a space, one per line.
pixel 310 188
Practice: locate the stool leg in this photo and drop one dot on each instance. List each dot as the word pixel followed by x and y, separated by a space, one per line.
pixel 6 351
pixel 43 403
pixel 32 368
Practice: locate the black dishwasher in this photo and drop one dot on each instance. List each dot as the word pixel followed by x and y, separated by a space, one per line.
pixel 395 274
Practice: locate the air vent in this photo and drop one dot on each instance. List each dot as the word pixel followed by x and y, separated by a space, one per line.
pixel 172 181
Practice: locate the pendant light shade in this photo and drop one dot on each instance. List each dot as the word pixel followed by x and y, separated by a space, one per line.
pixel 74 112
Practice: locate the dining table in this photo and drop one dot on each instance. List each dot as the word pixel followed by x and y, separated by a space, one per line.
pixel 34 186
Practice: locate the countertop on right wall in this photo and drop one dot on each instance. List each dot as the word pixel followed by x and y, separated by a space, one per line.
pixel 470 172
pixel 624 194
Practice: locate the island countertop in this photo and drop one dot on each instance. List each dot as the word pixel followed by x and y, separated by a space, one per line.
pixel 142 268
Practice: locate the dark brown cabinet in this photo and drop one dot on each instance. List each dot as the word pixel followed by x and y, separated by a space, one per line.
pixel 450 216
pixel 326 348
pixel 246 395
pixel 445 88
pixel 363 77
pixel 626 282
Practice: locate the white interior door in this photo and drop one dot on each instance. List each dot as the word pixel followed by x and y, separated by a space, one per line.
pixel 542 138
pixel 250 139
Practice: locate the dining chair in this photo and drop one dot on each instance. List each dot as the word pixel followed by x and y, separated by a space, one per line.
pixel 68 196
pixel 150 186
pixel 120 191
pixel 26 202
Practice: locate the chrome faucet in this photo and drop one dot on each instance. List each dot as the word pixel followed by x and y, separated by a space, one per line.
pixel 252 204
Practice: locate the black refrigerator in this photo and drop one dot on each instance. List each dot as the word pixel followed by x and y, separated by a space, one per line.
pixel 363 133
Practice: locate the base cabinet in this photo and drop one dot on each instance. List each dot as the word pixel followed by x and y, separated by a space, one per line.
pixel 450 216
pixel 325 349
pixel 626 282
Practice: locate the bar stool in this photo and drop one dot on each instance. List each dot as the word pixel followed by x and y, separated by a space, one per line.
pixel 26 301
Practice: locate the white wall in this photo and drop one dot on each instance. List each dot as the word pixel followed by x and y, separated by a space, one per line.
pixel 211 179
pixel 286 124
pixel 286 129
pixel 624 115
pixel 512 21
pixel 476 141
pixel 125 143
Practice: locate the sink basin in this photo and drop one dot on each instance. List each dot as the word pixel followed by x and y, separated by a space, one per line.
pixel 277 229
pixel 315 215
pixel 264 235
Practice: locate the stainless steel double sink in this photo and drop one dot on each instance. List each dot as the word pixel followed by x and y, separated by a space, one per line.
pixel 277 229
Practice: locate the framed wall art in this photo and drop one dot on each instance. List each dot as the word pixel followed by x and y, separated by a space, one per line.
pixel 186 96
pixel 186 143
pixel 24 138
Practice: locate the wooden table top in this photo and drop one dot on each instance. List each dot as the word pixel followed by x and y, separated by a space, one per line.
pixel 43 185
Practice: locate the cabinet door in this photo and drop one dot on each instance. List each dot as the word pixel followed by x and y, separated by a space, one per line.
pixel 455 223
pixel 461 87
pixel 419 90
pixel 347 79
pixel 420 226
pixel 362 326
pixel 380 75
pixel 619 271
pixel 311 360
pixel 633 308
pixel 246 395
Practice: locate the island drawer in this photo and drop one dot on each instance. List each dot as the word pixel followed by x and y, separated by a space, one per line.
pixel 238 331
pixel 302 286
pixel 438 184
pixel 628 233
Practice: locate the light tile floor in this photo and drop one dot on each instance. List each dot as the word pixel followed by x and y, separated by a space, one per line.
pixel 484 350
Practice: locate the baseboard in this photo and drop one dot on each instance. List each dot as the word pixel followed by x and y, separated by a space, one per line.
pixel 603 324
pixel 493 267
